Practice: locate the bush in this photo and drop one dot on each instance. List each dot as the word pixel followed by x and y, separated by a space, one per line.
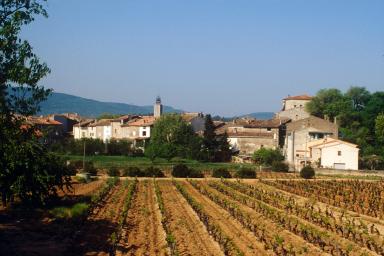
pixel 89 167
pixel 195 173
pixel 246 173
pixel 266 156
pixel 180 171
pixel 280 167
pixel 307 172
pixel 133 171
pixel 153 172
pixel 221 173
pixel 81 179
pixel 113 172
pixel 76 211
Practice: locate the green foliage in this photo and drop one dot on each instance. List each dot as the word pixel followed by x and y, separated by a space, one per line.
pixel 172 137
pixel 221 173
pixel 153 172
pixel 246 173
pixel 76 211
pixel 113 171
pixel 278 166
pixel 26 169
pixel 182 171
pixel 357 112
pixel 266 156
pixel 379 127
pixel 133 171
pixel 90 168
pixel 307 172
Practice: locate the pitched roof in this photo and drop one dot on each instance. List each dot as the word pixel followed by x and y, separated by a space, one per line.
pixel 299 97
pixel 141 121
pixel 327 142
pixel 270 123
pixel 250 134
pixel 102 122
pixel 42 121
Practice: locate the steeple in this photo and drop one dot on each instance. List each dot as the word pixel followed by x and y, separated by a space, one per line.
pixel 157 108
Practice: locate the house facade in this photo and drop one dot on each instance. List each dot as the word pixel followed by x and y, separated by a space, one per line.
pixel 300 133
pixel 334 154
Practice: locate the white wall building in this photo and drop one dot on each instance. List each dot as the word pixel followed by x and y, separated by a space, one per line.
pixel 334 154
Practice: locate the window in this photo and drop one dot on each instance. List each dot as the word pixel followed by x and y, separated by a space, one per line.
pixel 269 129
pixel 294 106
pixel 339 153
pixel 144 133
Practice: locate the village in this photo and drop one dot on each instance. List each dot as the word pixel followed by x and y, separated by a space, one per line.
pixel 303 139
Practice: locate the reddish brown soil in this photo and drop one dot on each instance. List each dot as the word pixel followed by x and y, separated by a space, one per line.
pixel 243 239
pixel 143 233
pixel 95 236
pixel 82 189
pixel 191 234
pixel 272 229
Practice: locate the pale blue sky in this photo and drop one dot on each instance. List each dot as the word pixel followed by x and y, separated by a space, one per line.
pixel 221 57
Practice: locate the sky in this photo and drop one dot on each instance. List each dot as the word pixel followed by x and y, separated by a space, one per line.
pixel 215 56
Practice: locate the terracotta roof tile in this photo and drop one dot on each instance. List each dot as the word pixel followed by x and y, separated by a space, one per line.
pixel 299 97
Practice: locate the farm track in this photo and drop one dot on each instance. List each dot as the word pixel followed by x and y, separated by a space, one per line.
pixel 192 238
pixel 242 238
pixel 94 237
pixel 273 229
pixel 143 233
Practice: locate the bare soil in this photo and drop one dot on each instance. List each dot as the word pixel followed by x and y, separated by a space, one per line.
pixel 94 238
pixel 143 233
pixel 243 238
pixel 191 234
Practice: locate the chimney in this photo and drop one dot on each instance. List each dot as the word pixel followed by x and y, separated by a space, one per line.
pixel 335 120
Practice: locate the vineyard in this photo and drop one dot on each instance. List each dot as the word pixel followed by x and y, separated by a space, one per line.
pixel 229 217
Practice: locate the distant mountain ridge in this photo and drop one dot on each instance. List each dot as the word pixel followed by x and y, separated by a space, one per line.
pixel 66 103
pixel 58 103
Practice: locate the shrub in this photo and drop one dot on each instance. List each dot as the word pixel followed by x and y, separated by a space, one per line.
pixel 221 173
pixel 76 211
pixel 133 171
pixel 195 173
pixel 307 172
pixel 153 172
pixel 246 173
pixel 278 166
pixel 180 171
pixel 80 179
pixel 89 167
pixel 266 156
pixel 113 171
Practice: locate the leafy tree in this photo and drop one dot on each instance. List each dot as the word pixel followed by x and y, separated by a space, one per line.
pixel 328 102
pixel 210 142
pixel 26 169
pixel 172 136
pixel 359 97
pixel 379 127
pixel 266 156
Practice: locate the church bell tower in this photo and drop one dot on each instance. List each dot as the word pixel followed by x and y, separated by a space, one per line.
pixel 157 108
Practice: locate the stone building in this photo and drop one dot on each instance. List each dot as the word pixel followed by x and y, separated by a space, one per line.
pixel 294 107
pixel 300 133
pixel 248 135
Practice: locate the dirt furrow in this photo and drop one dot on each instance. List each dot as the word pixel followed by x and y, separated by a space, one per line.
pixel 191 236
pixel 95 236
pixel 143 233
pixel 244 239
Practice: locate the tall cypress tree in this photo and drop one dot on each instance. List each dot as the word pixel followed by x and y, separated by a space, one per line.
pixel 209 140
